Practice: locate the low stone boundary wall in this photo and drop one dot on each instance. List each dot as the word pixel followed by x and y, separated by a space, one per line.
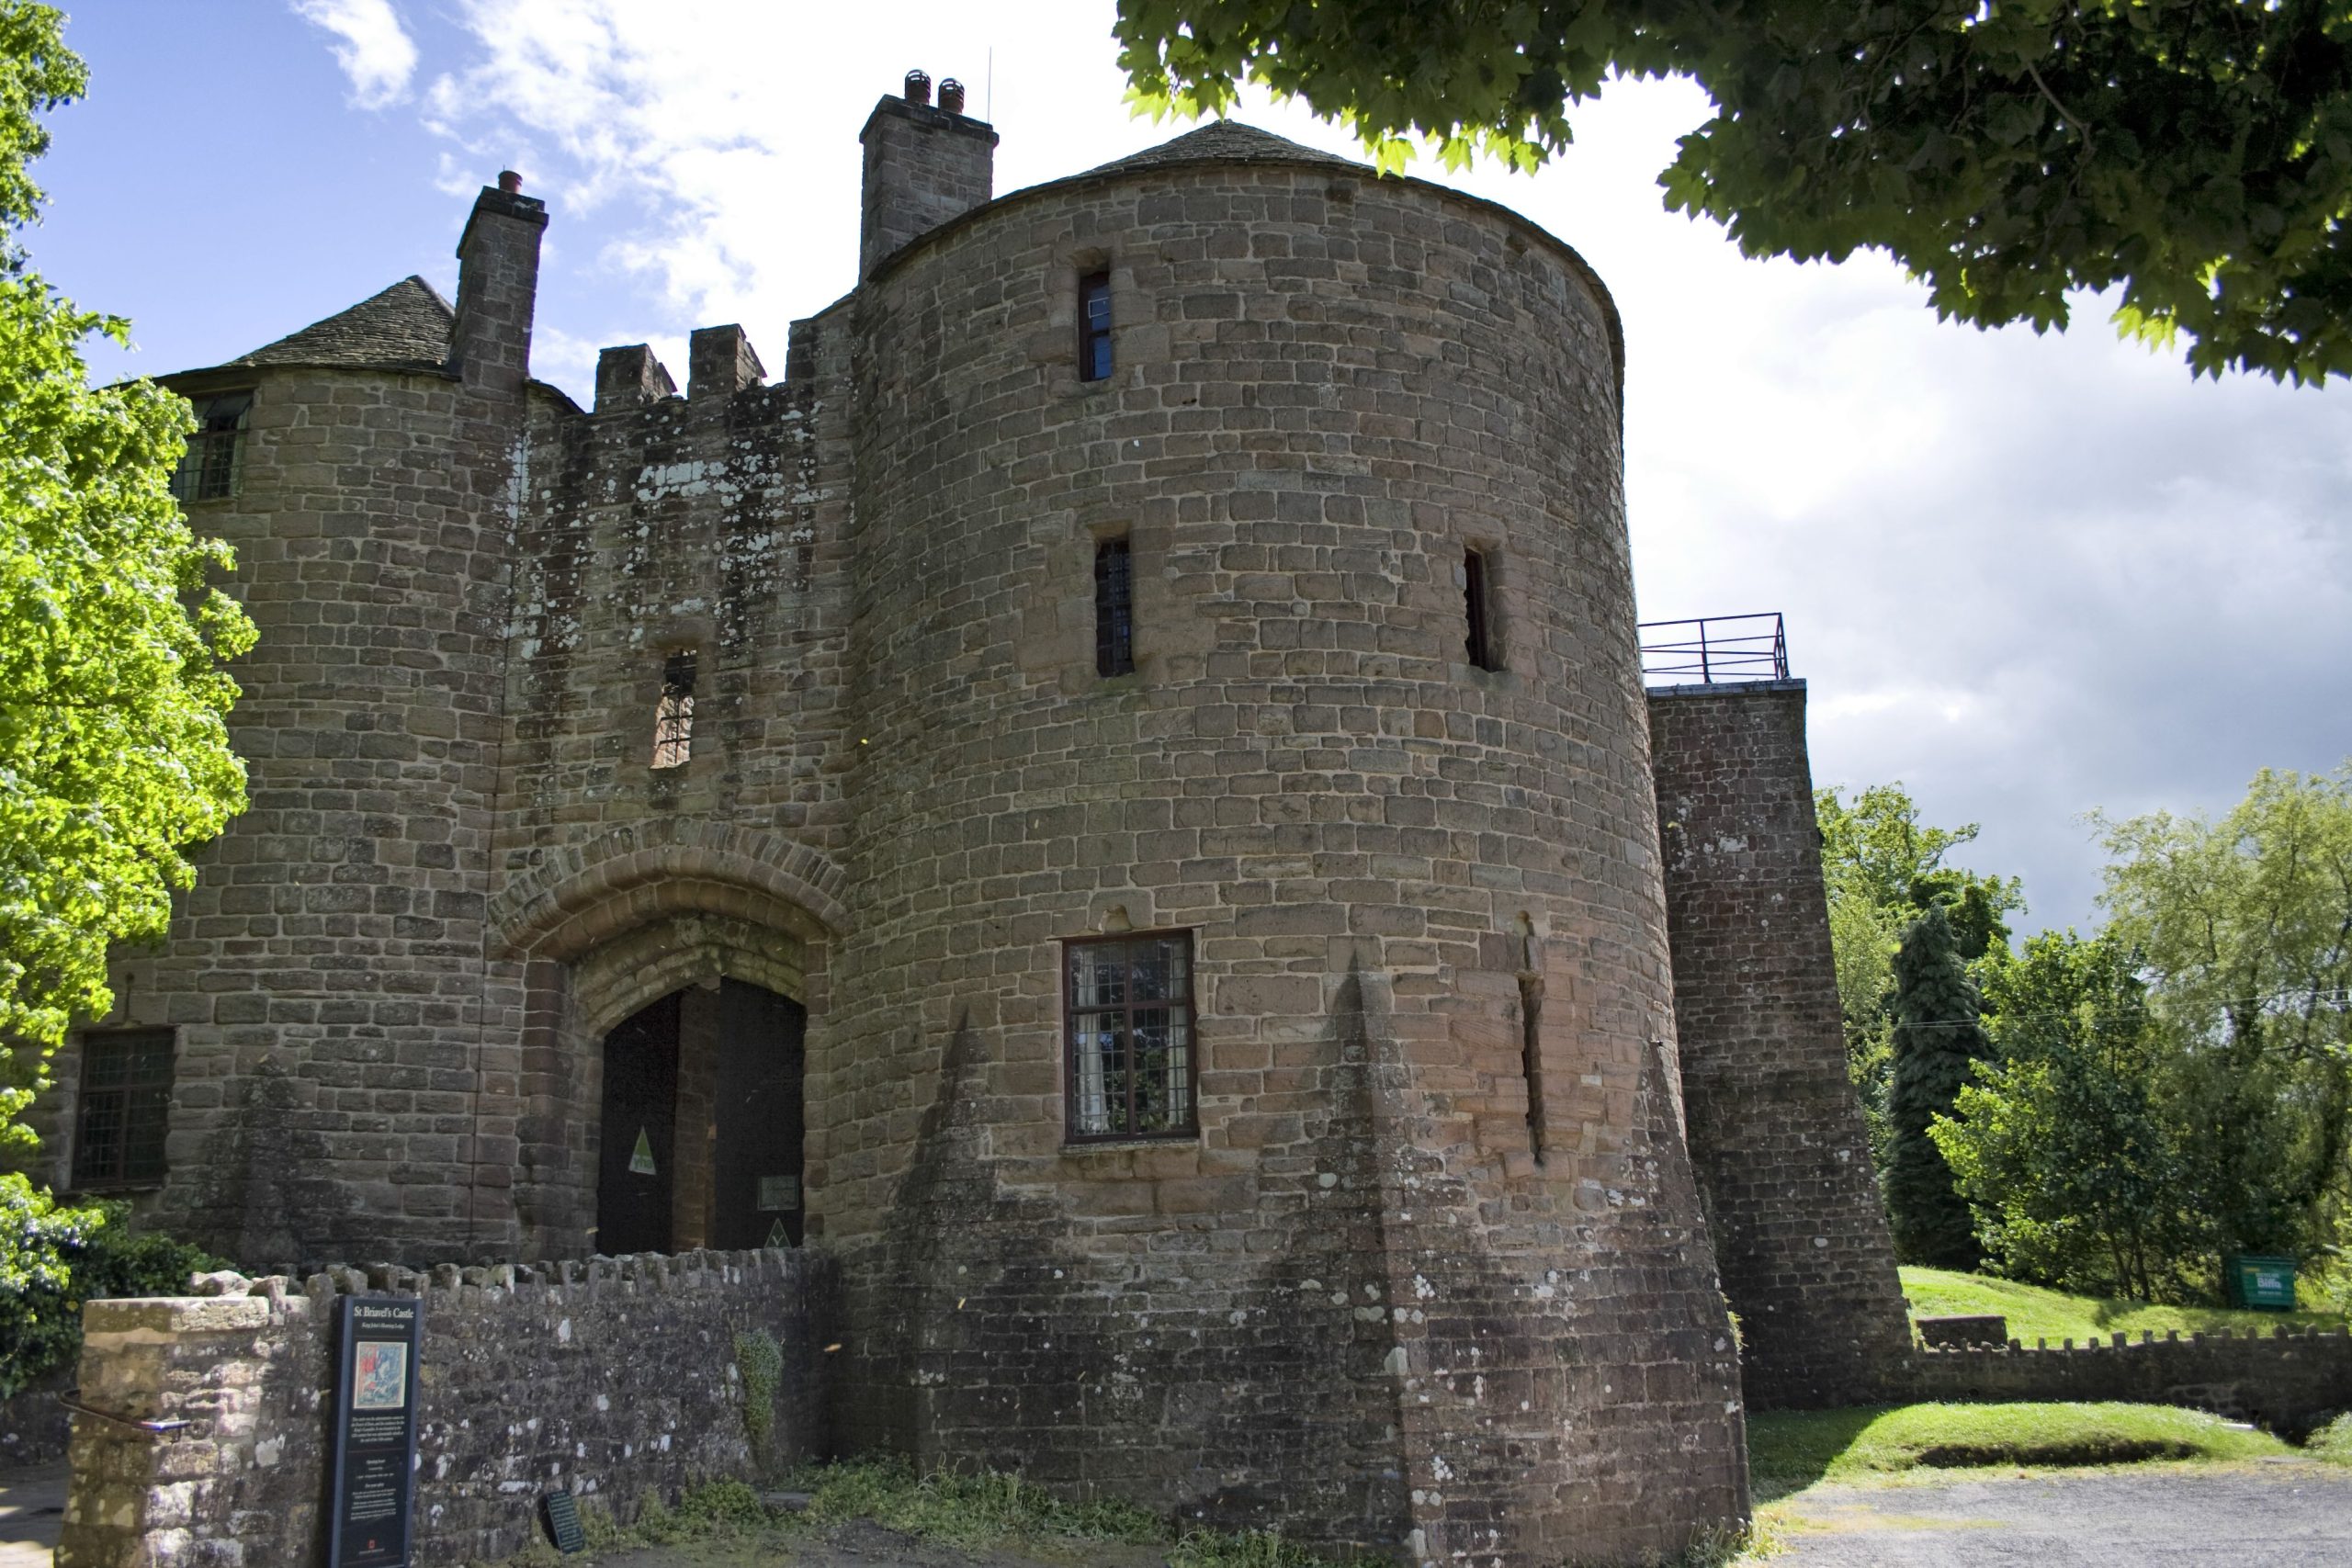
pixel 32 1424
pixel 615 1378
pixel 2288 1381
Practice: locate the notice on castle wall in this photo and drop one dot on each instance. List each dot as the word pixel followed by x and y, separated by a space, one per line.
pixel 374 1433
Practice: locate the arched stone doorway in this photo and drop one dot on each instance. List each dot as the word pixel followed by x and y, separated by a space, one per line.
pixel 608 929
pixel 701 1121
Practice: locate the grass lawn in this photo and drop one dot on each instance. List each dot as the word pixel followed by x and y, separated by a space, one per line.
pixel 2036 1313
pixel 1787 1451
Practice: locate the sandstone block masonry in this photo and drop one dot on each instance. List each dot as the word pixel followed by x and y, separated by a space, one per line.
pixel 620 1380
pixel 1290 627
pixel 1793 1205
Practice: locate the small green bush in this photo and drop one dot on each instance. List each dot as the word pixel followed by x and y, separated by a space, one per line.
pixel 53 1257
pixel 2333 1442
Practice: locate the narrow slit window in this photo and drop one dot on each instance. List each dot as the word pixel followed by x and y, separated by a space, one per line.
pixel 1530 1060
pixel 209 468
pixel 1478 611
pixel 673 717
pixel 125 1108
pixel 1094 327
pixel 1128 1006
pixel 1114 608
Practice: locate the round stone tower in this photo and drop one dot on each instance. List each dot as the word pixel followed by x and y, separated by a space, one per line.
pixel 1252 1082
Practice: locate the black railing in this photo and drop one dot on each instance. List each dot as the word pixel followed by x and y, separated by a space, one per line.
pixel 1715 650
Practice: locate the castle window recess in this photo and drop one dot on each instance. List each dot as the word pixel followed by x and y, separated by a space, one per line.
pixel 673 716
pixel 209 470
pixel 1478 610
pixel 1129 1003
pixel 1094 327
pixel 125 1108
pixel 1114 608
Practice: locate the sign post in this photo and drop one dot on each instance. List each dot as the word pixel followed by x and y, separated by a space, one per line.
pixel 374 1433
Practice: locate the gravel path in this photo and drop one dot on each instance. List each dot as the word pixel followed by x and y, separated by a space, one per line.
pixel 2294 1514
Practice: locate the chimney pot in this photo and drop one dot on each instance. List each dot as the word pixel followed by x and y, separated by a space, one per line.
pixel 918 88
pixel 951 95
pixel 510 182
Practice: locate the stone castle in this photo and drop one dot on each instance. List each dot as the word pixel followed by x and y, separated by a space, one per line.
pixel 1115 796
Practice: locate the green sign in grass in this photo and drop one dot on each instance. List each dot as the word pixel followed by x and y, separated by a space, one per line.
pixel 2267 1284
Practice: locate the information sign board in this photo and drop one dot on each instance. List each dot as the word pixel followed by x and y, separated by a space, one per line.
pixel 374 1433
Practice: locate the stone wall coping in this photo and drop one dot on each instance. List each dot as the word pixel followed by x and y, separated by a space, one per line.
pixel 659 1271
pixel 2282 1334
pixel 134 1316
pixel 1725 688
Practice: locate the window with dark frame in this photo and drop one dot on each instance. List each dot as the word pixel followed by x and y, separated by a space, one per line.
pixel 209 469
pixel 1128 1003
pixel 125 1108
pixel 1479 611
pixel 673 717
pixel 1114 608
pixel 1094 327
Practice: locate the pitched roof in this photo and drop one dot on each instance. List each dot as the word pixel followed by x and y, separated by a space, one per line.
pixel 406 327
pixel 1226 141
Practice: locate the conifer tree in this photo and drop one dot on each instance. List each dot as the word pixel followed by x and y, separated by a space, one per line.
pixel 1936 1036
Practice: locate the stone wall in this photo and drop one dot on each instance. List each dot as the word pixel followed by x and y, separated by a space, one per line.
pixel 33 1424
pixel 1775 1128
pixel 2290 1382
pixel 617 1378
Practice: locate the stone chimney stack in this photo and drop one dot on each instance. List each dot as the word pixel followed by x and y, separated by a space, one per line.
pixel 498 284
pixel 923 166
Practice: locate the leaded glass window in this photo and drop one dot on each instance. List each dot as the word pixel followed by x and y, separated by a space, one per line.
pixel 1131 1062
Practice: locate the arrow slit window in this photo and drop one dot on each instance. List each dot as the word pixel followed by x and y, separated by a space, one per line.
pixel 1114 608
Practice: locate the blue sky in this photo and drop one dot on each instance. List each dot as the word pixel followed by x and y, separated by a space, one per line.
pixel 2029 577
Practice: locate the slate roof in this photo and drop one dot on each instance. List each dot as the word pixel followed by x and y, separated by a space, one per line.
pixel 406 327
pixel 1226 141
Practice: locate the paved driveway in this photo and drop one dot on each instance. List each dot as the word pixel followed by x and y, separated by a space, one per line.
pixel 2286 1514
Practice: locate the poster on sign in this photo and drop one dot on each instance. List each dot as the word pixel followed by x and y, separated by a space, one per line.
pixel 374 1433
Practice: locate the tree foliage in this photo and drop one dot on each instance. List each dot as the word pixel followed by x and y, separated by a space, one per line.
pixel 2063 1144
pixel 1938 1038
pixel 1882 868
pixel 114 751
pixel 2195 154
pixel 2246 925
pixel 53 1259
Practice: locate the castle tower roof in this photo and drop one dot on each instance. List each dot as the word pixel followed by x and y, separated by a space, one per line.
pixel 406 327
pixel 1223 141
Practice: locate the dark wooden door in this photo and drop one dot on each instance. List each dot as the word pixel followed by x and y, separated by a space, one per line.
pixel 639 1135
pixel 756 1191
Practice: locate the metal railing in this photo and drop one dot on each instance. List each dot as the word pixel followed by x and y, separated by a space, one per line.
pixel 1715 650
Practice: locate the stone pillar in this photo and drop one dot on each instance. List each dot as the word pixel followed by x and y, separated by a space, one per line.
pixel 1776 1132
pixel 141 1496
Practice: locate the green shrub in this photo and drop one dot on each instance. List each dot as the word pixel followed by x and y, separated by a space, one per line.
pixel 53 1257
pixel 2333 1442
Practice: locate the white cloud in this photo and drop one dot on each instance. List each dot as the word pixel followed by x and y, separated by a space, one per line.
pixel 374 49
